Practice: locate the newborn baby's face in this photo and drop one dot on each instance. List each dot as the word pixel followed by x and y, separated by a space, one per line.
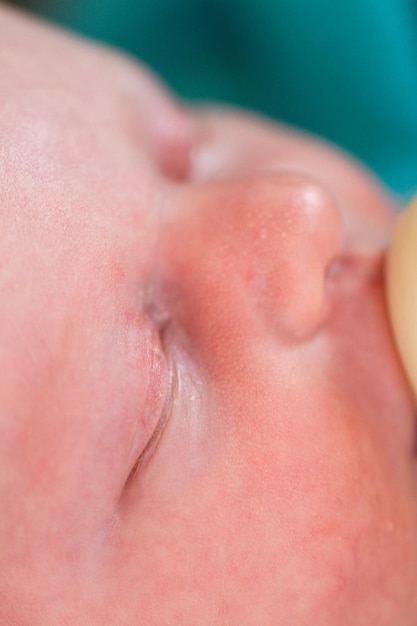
pixel 203 420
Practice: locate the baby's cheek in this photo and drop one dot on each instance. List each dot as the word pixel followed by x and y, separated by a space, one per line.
pixel 289 514
pixel 348 533
pixel 86 390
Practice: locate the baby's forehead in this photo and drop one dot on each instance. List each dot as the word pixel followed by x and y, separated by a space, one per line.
pixel 35 52
pixel 76 193
pixel 48 73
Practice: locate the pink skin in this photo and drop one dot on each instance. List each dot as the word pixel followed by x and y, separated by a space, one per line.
pixel 203 419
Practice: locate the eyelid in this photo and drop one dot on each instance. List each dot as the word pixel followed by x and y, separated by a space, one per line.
pixel 161 393
pixel 166 412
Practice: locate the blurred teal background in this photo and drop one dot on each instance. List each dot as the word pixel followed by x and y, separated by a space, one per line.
pixel 346 70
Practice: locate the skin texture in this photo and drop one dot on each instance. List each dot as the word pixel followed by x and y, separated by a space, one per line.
pixel 203 418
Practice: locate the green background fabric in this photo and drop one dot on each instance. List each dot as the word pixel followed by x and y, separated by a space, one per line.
pixel 346 70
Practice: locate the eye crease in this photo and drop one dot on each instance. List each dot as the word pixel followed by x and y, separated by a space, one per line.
pixel 151 445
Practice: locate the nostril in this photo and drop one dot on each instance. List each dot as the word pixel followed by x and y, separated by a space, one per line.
pixel 364 265
pixel 334 269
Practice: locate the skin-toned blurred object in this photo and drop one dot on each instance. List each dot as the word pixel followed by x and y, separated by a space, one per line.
pixel 402 289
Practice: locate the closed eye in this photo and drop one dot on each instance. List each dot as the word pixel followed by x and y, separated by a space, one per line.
pixel 165 415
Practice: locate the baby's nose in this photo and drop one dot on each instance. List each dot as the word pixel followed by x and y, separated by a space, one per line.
pixel 252 254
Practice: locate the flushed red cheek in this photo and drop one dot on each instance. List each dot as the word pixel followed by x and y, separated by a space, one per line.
pixel 297 534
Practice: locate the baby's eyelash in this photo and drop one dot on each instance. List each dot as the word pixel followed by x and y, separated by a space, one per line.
pixel 166 412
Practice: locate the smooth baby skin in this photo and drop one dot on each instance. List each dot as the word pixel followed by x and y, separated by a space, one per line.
pixel 203 418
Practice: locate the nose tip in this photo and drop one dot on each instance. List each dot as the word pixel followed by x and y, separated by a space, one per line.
pixel 252 253
pixel 296 235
